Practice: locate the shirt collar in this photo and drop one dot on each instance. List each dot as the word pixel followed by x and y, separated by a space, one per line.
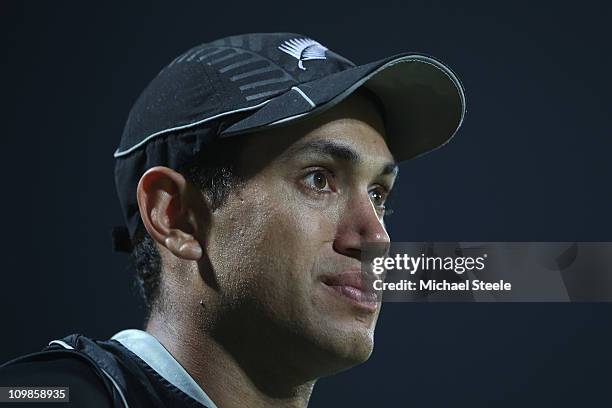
pixel 151 351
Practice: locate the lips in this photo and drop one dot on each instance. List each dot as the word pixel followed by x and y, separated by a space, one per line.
pixel 353 287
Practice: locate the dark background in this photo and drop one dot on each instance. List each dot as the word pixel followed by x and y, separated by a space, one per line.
pixel 530 163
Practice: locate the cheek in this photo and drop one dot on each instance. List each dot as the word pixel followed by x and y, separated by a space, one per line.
pixel 278 240
pixel 270 240
pixel 304 230
pixel 288 238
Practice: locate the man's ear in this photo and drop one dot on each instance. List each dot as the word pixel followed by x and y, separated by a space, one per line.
pixel 167 210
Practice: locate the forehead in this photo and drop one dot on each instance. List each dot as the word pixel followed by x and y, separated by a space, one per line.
pixel 354 123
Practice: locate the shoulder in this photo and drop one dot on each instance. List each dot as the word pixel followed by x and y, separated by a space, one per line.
pixel 58 368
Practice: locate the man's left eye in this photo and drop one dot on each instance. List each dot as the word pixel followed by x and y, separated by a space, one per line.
pixel 378 197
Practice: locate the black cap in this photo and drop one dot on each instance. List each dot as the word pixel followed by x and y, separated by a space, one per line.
pixel 252 82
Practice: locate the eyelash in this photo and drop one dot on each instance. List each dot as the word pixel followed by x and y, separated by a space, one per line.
pixel 381 209
pixel 330 176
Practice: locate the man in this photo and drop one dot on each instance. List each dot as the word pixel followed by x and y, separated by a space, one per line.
pixel 252 172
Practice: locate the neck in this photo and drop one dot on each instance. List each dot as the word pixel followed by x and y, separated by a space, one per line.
pixel 241 373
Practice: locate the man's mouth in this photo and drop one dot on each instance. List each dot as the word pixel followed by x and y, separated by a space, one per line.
pixel 354 288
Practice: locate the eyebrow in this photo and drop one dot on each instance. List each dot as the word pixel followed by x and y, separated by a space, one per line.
pixel 340 152
pixel 390 168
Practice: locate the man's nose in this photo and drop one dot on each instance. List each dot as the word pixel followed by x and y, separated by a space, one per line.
pixel 361 232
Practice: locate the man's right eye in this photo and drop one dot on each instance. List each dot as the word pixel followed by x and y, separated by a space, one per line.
pixel 318 180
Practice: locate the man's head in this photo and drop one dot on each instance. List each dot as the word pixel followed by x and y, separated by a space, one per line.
pixel 252 170
pixel 281 252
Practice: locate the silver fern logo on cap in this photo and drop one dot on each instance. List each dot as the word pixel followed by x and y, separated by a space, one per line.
pixel 303 49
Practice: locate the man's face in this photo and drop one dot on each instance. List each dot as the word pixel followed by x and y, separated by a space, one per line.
pixel 285 248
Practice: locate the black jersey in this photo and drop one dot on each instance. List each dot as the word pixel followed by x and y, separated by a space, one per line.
pixel 132 369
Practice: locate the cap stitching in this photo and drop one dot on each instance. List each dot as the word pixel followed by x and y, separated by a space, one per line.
pixel 298 90
pixel 119 153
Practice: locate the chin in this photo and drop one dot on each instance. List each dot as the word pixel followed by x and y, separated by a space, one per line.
pixel 347 349
pixel 359 351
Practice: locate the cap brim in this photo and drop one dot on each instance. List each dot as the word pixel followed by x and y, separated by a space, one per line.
pixel 423 99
